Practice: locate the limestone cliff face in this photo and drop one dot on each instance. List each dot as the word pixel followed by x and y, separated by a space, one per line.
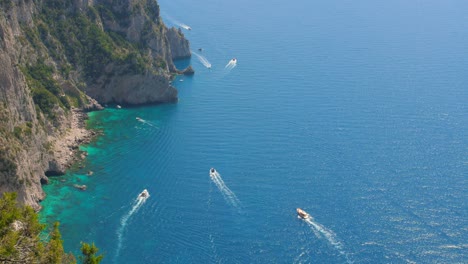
pixel 56 57
pixel 140 22
pixel 22 137
pixel 179 45
pixel 131 89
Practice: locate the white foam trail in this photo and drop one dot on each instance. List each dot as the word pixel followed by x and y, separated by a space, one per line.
pixel 177 23
pixel 304 253
pixel 146 122
pixel 184 26
pixel 123 222
pixel 226 189
pixel 203 60
pixel 231 64
pixel 329 235
pixel 228 195
pixel 315 230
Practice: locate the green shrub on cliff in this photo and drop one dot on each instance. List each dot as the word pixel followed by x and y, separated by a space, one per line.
pixel 89 254
pixel 20 241
pixel 23 131
pixel 85 44
pixel 7 162
pixel 45 90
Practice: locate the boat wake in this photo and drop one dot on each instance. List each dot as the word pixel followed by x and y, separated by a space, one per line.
pixel 203 60
pixel 231 65
pixel 228 195
pixel 149 123
pixel 177 23
pixel 319 231
pixel 139 201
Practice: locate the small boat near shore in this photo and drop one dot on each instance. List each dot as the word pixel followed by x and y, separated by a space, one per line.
pixel 144 194
pixel 139 119
pixel 80 187
pixel 303 214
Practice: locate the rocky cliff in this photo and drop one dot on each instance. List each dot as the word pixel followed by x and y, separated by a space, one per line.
pixel 56 57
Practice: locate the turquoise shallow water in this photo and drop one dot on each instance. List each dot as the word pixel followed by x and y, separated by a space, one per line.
pixel 354 111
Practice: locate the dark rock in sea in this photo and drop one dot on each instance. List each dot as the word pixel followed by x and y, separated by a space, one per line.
pixel 188 71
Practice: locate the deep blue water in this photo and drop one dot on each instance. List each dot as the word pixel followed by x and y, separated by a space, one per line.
pixel 355 111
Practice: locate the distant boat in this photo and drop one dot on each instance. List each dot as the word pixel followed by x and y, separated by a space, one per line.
pixel 234 60
pixel 144 194
pixel 181 80
pixel 118 107
pixel 138 119
pixel 212 172
pixel 189 28
pixel 200 49
pixel 81 187
pixel 303 214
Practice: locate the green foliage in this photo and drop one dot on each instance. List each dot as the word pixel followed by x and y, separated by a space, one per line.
pixel 45 90
pixel 33 37
pixel 19 238
pixel 42 75
pixel 84 43
pixel 74 40
pixel 19 230
pixel 161 63
pixel 45 100
pixel 122 16
pixel 7 163
pixel 55 246
pixel 89 254
pixel 152 9
pixel 23 131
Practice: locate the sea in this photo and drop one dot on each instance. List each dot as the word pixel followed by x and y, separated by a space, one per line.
pixel 354 111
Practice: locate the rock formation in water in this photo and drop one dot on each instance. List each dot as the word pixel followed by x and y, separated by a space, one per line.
pixel 61 58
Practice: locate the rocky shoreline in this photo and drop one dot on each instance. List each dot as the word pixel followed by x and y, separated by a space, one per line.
pixel 65 148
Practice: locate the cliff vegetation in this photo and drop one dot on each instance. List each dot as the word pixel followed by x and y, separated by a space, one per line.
pixel 62 58
pixel 21 240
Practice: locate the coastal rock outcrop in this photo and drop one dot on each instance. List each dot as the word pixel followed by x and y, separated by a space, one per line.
pixel 131 89
pixel 61 59
pixel 188 71
pixel 179 45
pixel 147 78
